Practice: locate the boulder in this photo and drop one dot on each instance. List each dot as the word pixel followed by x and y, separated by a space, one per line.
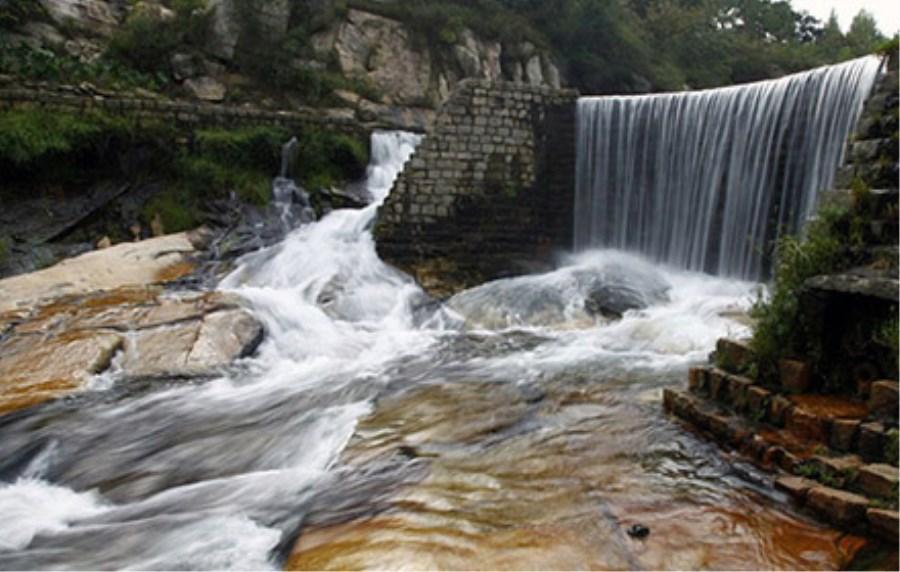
pixel 99 17
pixel 467 54
pixel 205 88
pixel 184 66
pixel 551 74
pixel 534 74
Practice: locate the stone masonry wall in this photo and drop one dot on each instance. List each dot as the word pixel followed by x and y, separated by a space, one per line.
pixel 184 114
pixel 489 192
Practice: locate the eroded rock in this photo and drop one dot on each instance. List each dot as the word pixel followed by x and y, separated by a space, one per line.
pixel 54 349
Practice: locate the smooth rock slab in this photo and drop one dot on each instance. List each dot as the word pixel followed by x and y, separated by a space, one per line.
pixel 36 370
pixel 197 348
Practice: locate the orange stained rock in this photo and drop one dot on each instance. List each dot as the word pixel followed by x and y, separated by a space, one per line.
pixel 175 271
pixel 830 406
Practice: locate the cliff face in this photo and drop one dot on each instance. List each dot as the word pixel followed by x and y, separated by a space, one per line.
pixel 379 61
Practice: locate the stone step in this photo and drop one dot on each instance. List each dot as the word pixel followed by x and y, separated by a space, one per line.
pixel 842 508
pixel 838 422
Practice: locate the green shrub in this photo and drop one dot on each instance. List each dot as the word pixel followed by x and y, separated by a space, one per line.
pixel 255 147
pixel 44 65
pixel 147 42
pixel 177 207
pixel 14 13
pixel 327 158
pixel 780 330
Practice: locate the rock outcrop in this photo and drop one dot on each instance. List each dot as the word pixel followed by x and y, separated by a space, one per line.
pixel 56 349
pixel 385 53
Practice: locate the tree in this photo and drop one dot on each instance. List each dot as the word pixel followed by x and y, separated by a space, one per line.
pixel 863 36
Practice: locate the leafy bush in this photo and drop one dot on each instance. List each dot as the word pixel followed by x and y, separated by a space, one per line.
pixel 44 65
pixel 147 42
pixel 327 158
pixel 14 13
pixel 780 330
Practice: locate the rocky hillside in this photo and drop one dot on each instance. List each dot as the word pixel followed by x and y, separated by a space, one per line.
pixel 273 53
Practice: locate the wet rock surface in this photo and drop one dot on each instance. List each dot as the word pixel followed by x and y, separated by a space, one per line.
pixel 56 348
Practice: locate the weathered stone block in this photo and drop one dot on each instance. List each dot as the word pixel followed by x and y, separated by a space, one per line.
pixel 805 425
pixel 795 375
pixel 871 441
pixel 718 388
pixel 842 434
pixel 778 410
pixel 737 391
pixel 878 480
pixel 797 487
pixel 698 381
pixel 838 507
pixel 883 399
pixel 733 355
pixel 758 402
pixel 884 523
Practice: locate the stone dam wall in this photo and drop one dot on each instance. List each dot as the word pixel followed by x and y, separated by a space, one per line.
pixel 490 191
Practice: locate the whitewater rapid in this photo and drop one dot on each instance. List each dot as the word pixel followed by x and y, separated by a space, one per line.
pixel 223 474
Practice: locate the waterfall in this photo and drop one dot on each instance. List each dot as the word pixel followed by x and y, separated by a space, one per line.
pixel 706 180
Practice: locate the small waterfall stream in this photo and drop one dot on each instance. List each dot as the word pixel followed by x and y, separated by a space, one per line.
pixel 706 180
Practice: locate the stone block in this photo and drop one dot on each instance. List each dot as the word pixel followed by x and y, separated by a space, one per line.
pixel 758 402
pixel 795 375
pixel 842 434
pixel 737 391
pixel 805 425
pixel 797 487
pixel 838 507
pixel 733 355
pixel 878 480
pixel 883 399
pixel 871 441
pixel 718 384
pixel 697 380
pixel 778 410
pixel 883 523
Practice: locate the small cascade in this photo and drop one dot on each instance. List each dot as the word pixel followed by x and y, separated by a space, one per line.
pixel 291 201
pixel 707 180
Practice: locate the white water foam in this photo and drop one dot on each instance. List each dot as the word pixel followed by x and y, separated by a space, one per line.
pixel 30 507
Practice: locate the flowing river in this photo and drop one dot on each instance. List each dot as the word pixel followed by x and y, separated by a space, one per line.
pixel 513 427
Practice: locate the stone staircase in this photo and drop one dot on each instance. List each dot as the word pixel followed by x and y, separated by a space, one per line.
pixel 835 455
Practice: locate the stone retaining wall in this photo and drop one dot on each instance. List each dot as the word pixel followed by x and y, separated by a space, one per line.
pixel 490 191
pixel 184 114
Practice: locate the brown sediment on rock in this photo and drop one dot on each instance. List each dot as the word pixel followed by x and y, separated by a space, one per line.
pixel 175 271
pixel 54 349
pixel 830 406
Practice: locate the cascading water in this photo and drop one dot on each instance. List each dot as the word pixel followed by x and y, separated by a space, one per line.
pixel 705 180
pixel 516 426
